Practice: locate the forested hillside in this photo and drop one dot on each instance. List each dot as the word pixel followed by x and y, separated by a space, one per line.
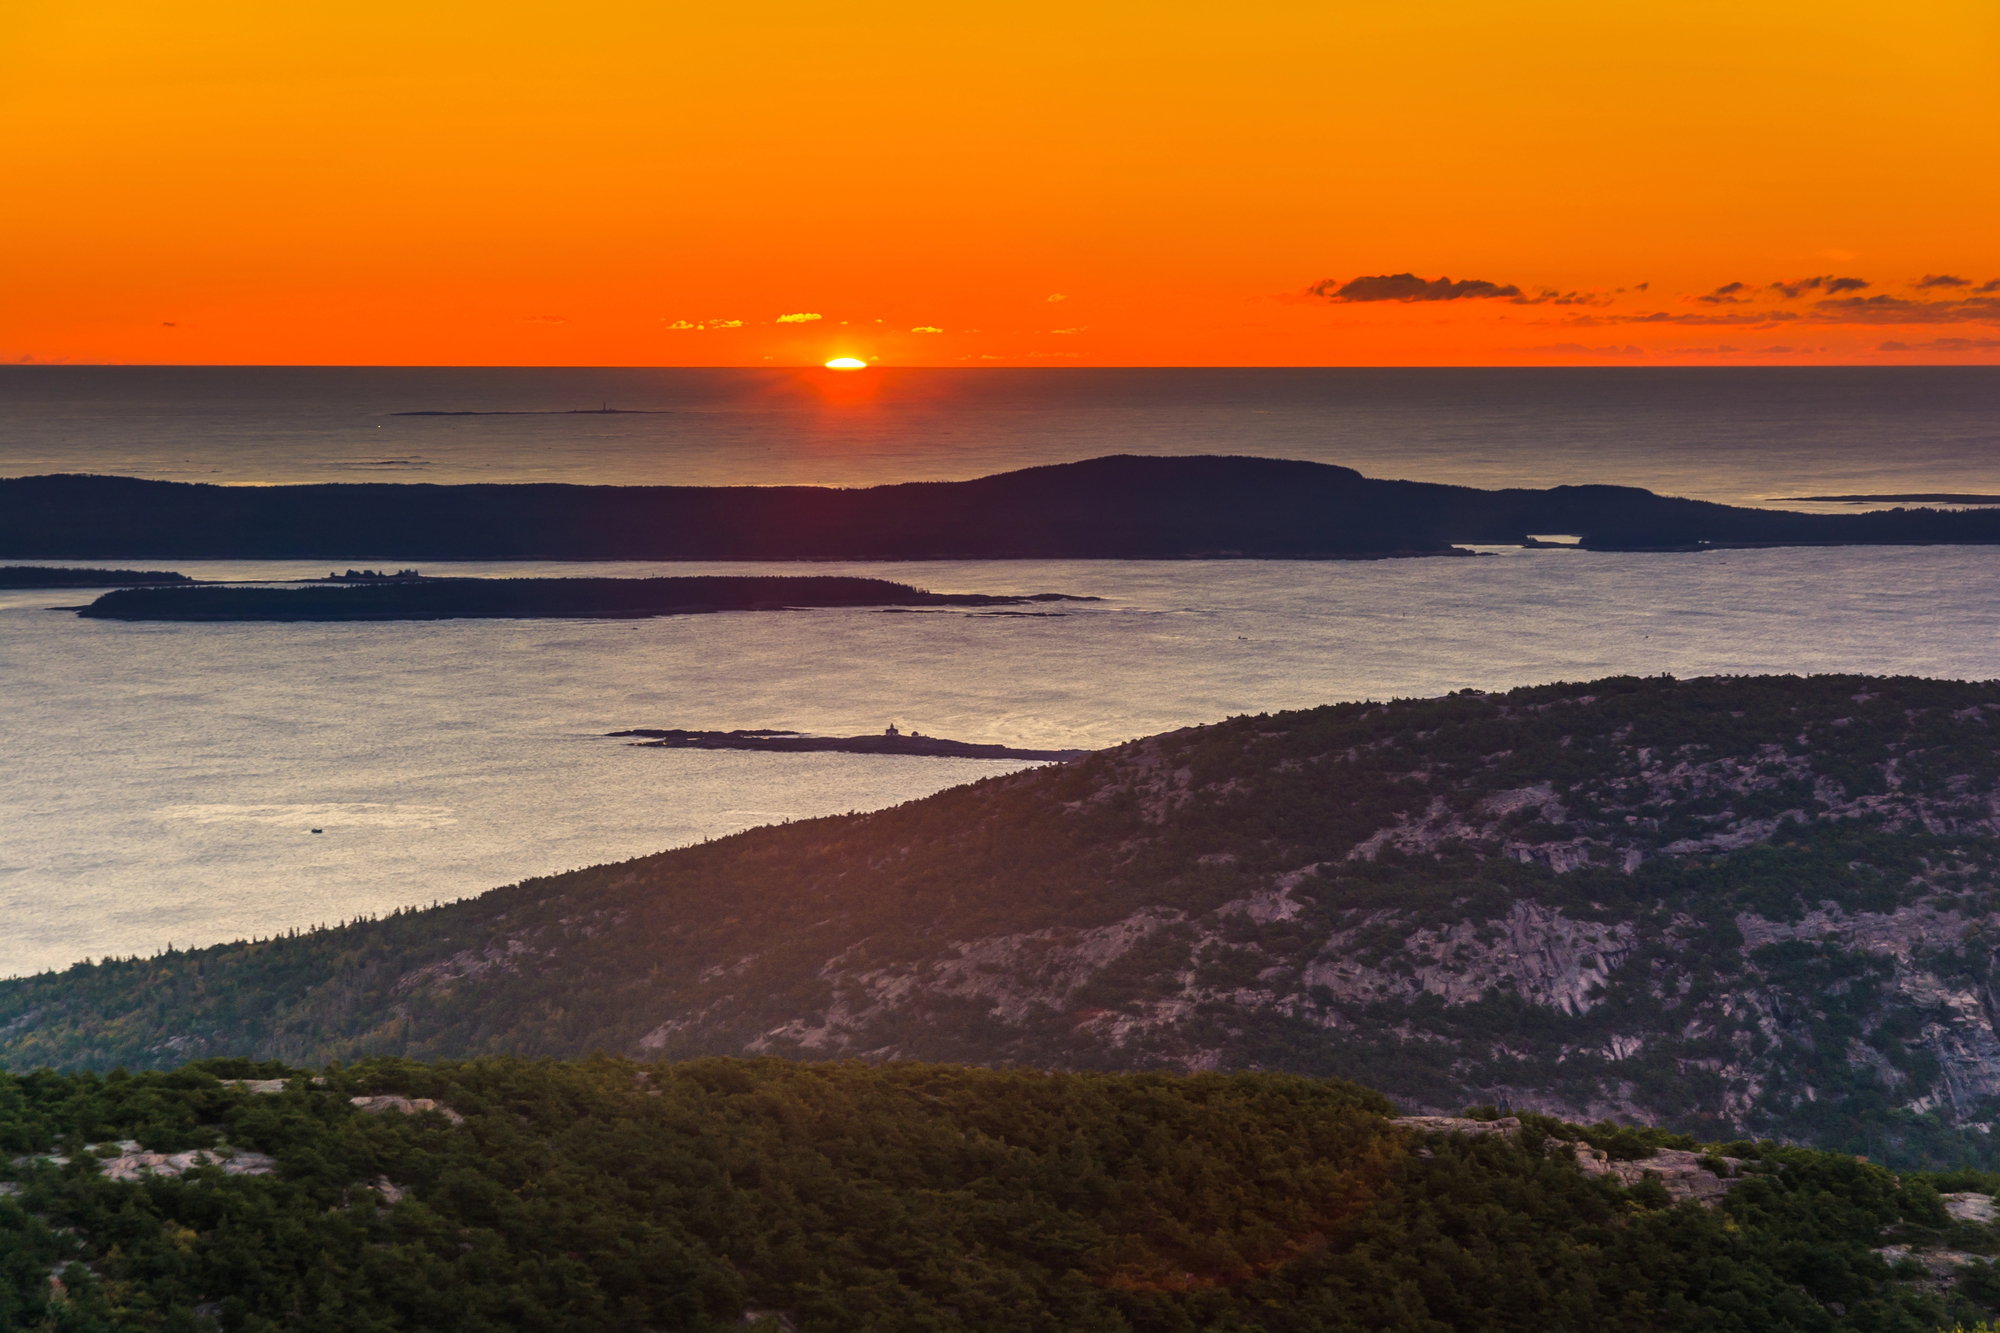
pixel 606 1196
pixel 1758 906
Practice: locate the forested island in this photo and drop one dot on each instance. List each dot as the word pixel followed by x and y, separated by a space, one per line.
pixel 1117 507
pixel 1736 907
pixel 892 741
pixel 51 576
pixel 612 1196
pixel 415 598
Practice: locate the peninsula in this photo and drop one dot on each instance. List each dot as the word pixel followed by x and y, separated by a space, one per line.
pixel 1103 508
pixel 891 741
pixel 528 599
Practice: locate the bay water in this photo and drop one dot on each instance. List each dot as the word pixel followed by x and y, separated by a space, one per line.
pixel 159 783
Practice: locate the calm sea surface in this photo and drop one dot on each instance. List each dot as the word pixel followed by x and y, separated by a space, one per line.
pixel 1743 436
pixel 158 782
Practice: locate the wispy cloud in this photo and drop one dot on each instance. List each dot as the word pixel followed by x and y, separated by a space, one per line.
pixel 1408 287
pixel 926 328
pixel 803 317
pixel 1550 296
pixel 1900 310
pixel 1930 280
pixel 1058 296
pixel 1078 329
pixel 1758 319
pixel 1944 345
pixel 546 319
pixel 1729 293
pixel 1578 349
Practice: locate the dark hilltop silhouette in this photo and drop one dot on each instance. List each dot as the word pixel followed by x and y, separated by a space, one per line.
pixel 1117 507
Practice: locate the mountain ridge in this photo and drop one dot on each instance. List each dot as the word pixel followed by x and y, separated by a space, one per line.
pixel 1759 905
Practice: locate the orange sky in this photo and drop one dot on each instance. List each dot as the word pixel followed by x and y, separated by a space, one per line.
pixel 499 183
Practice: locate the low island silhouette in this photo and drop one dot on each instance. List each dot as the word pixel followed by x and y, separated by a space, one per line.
pixel 893 740
pixel 1122 507
pixel 52 576
pixel 411 597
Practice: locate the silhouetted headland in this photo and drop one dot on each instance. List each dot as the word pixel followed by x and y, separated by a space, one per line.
pixel 1119 507
pixel 892 741
pixel 47 576
pixel 527 599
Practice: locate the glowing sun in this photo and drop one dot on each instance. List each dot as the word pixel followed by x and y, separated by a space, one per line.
pixel 846 363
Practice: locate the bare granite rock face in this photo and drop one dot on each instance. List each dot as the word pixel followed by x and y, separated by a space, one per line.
pixel 406 1105
pixel 1684 1174
pixel 1681 1172
pixel 128 1160
pixel 1452 1124
pixel 1970 1207
pixel 136 1164
pixel 1736 1047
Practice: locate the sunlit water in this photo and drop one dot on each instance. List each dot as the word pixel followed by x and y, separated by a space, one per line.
pixel 157 782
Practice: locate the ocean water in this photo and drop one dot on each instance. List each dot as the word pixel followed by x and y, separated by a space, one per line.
pixel 157 782
pixel 1741 436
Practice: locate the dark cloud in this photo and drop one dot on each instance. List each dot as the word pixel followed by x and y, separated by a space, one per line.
pixel 1993 286
pixel 1940 280
pixel 1726 294
pixel 1826 283
pixel 1408 287
pixel 1900 310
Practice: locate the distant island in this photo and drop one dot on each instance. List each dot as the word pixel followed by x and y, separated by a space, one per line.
pixel 892 741
pixel 1122 507
pixel 49 576
pixel 413 598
